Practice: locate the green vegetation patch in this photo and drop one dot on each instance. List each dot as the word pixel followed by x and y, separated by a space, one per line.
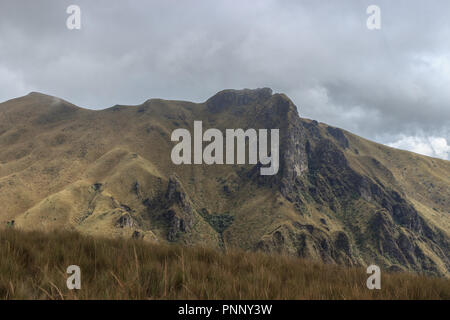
pixel 219 222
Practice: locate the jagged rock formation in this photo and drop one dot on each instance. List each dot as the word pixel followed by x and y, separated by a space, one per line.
pixel 337 197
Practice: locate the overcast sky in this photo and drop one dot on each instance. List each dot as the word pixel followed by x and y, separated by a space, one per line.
pixel 390 85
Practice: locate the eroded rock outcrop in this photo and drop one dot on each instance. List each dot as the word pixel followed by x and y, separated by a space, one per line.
pixel 179 215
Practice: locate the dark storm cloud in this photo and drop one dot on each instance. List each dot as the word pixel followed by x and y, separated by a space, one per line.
pixel 390 85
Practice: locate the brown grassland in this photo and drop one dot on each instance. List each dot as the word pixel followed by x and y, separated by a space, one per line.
pixel 33 266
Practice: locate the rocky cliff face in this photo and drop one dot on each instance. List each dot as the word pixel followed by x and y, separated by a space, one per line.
pixel 394 232
pixel 336 198
pixel 315 172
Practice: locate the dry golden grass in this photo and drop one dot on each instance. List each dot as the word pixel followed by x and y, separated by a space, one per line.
pixel 33 266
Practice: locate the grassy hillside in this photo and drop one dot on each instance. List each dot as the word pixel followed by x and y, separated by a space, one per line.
pixel 337 197
pixel 33 265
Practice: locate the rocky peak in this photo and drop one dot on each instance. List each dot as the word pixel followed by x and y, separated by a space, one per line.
pixel 227 98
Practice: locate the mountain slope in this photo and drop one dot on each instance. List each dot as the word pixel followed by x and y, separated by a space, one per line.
pixel 336 198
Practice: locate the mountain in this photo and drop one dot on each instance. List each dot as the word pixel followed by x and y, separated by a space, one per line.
pixel 337 197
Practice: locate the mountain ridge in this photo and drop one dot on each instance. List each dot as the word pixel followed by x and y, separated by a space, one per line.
pixel 337 197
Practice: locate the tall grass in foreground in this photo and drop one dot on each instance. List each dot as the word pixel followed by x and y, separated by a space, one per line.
pixel 33 266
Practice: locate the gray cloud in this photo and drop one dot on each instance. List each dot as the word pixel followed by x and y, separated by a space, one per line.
pixel 387 85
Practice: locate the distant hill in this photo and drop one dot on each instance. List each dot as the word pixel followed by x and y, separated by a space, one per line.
pixel 336 198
